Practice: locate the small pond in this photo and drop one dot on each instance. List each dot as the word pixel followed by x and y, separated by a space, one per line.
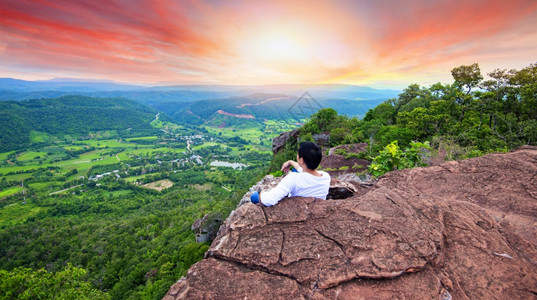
pixel 234 165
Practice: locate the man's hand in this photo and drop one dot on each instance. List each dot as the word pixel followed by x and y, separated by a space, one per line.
pixel 288 164
pixel 285 166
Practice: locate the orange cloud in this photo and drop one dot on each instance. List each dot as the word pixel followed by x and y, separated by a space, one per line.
pixel 103 37
pixel 438 32
pixel 254 42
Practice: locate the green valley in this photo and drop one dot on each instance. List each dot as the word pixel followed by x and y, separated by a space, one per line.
pixel 117 201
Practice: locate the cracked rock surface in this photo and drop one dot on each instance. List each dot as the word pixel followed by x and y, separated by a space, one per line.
pixel 461 230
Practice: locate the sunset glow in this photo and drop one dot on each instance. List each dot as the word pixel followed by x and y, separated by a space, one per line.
pixel 376 43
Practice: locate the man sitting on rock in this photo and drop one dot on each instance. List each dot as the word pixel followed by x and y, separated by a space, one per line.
pixel 304 181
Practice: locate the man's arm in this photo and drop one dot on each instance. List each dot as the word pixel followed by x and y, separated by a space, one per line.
pixel 290 163
pixel 283 189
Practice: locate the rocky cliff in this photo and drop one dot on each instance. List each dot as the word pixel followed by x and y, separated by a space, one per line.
pixel 460 230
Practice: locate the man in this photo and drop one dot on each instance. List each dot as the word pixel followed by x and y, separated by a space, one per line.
pixel 306 181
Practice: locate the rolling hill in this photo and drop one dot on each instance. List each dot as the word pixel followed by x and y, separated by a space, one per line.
pixel 68 115
pixel 259 107
pixel 214 105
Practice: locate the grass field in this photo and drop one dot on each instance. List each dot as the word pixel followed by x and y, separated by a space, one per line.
pixel 206 144
pixel 157 123
pixel 17 213
pixel 144 138
pixel 86 160
pixel 261 148
pixel 30 155
pixel 253 135
pixel 54 152
pixel 123 156
pixel 39 186
pixel 120 193
pixel 151 151
pixel 277 127
pixel 106 134
pixel 8 169
pixel 111 144
pixel 4 155
pixel 174 127
pixel 135 178
pixel 17 177
pixel 73 148
pixel 10 191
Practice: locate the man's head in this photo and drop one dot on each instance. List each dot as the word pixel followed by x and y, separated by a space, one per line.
pixel 311 154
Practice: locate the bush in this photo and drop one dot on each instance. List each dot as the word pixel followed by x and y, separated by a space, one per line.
pixel 393 158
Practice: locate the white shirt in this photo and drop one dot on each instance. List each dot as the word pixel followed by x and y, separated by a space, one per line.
pixel 300 184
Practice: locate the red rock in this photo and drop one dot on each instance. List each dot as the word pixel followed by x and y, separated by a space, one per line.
pixel 460 230
pixel 336 164
pixel 279 142
pixel 217 279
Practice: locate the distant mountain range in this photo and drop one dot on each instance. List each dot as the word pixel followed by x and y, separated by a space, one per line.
pixel 62 84
pixel 259 107
pixel 15 89
pixel 69 106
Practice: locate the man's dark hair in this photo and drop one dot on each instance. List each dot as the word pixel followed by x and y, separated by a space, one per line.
pixel 311 153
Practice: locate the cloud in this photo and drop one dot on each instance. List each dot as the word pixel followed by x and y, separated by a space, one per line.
pixel 98 37
pixel 242 42
pixel 439 31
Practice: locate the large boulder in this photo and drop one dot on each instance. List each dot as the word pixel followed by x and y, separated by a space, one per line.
pixel 279 142
pixel 338 164
pixel 461 230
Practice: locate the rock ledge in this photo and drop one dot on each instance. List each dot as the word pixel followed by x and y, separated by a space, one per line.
pixel 466 230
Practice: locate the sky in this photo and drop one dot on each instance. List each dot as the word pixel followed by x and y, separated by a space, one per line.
pixel 383 44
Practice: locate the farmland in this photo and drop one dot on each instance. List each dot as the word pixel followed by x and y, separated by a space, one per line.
pixel 49 167
pixel 135 196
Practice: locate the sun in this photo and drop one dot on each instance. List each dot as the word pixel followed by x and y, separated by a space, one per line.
pixel 281 46
pixel 273 46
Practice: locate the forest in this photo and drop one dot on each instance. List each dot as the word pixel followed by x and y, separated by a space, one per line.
pixel 467 118
pixel 131 246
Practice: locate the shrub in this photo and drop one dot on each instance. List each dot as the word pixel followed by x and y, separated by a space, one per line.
pixel 342 151
pixel 393 158
pixel 277 173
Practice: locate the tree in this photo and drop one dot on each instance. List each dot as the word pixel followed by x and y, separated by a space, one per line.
pixel 411 92
pixel 337 135
pixel 467 76
pixel 24 283
pixel 324 118
pixel 385 113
